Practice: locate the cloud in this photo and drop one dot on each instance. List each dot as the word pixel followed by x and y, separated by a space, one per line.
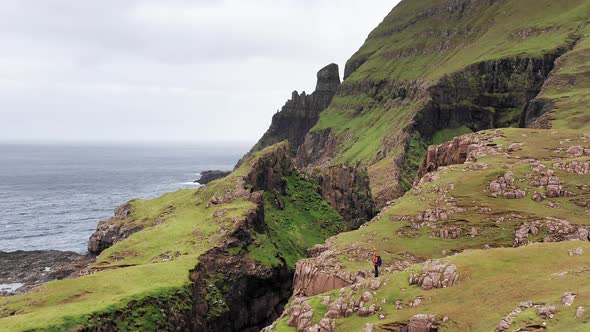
pixel 166 70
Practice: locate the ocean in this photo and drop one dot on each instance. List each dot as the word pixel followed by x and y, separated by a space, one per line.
pixel 52 197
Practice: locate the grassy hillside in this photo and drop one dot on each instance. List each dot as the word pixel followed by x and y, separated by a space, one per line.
pixel 492 284
pixel 454 215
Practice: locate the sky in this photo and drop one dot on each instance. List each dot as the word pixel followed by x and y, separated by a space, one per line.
pixel 166 71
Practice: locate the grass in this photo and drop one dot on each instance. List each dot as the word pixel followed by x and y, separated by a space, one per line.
pixel 492 284
pixel 72 301
pixel 306 219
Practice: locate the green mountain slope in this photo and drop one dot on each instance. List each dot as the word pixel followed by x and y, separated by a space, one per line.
pixel 437 68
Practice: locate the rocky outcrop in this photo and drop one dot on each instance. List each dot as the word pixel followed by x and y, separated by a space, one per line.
pixel 347 190
pixel 320 274
pixel 435 274
pixel 504 186
pixel 27 269
pixel 555 230
pixel 267 171
pixel 209 176
pixel 301 112
pixel 114 230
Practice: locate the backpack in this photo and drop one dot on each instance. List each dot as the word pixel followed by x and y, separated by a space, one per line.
pixel 379 262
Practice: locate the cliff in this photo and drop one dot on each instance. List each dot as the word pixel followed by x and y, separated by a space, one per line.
pixel 301 112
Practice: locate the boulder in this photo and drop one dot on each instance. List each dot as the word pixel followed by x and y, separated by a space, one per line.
pixel 567 299
pixel 435 274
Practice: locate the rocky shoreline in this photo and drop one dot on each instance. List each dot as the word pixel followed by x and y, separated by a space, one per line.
pixel 23 270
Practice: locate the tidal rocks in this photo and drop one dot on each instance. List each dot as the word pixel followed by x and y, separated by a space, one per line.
pixel 435 274
pixel 27 269
pixel 209 176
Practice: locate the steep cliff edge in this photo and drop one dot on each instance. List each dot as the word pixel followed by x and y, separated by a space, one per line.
pixel 301 112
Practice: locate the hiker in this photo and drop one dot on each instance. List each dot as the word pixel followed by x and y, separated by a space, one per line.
pixel 376 263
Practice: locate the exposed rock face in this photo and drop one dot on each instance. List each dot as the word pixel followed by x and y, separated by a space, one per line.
pixel 457 151
pixel 301 112
pixel 209 176
pixel 504 186
pixel 31 268
pixel 267 172
pixel 312 278
pixel 112 231
pixel 347 190
pixel 232 292
pixel 436 274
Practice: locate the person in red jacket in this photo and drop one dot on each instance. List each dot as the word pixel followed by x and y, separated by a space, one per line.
pixel 376 263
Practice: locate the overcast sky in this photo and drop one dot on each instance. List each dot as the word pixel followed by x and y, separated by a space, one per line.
pixel 164 71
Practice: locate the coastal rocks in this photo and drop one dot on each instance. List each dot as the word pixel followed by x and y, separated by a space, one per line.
pixel 209 176
pixel 22 270
pixel 114 230
pixel 435 274
pixel 256 294
pixel 576 252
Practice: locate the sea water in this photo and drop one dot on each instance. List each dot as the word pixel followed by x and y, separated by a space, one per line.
pixel 52 196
